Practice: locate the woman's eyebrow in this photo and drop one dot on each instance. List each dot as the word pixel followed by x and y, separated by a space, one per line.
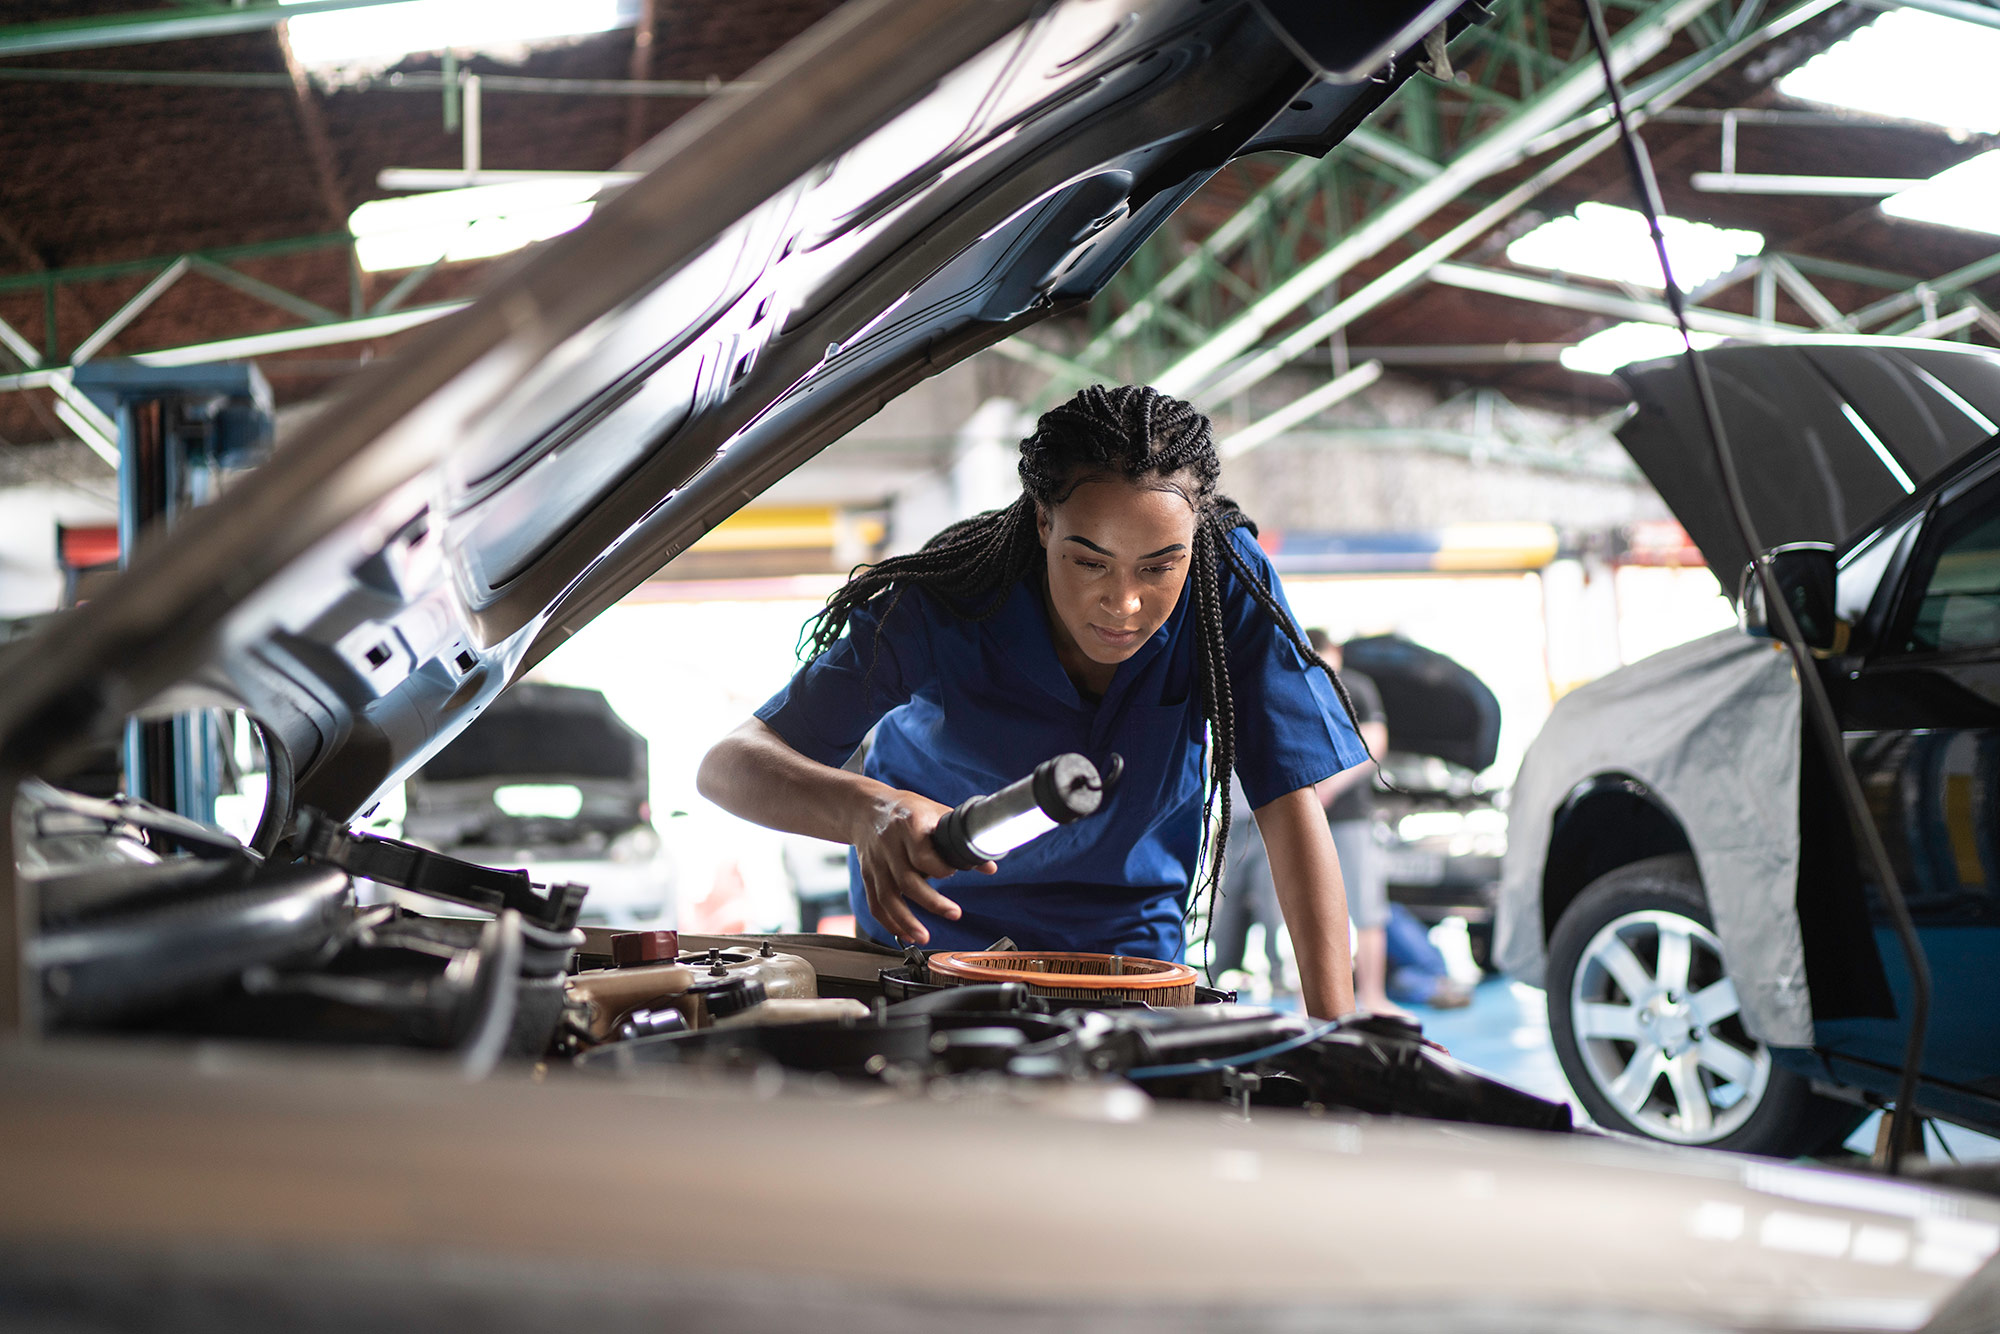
pixel 1151 555
pixel 1165 551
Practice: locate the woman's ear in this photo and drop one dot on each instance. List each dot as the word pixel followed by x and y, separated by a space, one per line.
pixel 1042 526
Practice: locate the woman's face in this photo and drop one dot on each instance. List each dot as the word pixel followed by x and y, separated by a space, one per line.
pixel 1118 555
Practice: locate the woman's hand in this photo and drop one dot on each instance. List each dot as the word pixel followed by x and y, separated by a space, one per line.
pixel 892 842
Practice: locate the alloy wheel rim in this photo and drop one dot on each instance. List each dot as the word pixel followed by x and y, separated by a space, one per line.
pixel 1660 1030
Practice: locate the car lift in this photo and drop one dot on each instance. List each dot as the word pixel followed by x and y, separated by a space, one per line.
pixel 181 431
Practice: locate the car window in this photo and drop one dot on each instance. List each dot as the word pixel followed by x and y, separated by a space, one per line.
pixel 1960 603
pixel 1862 568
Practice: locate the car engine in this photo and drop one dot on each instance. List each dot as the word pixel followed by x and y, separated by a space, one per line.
pixel 156 925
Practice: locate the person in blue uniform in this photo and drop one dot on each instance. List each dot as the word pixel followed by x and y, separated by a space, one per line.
pixel 1118 606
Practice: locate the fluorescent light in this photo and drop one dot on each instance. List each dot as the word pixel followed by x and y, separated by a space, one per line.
pixel 1604 241
pixel 291 340
pixel 456 178
pixel 384 34
pixel 1965 196
pixel 1622 344
pixel 475 223
pixel 1909 65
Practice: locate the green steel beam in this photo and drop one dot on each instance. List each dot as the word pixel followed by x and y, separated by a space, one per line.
pixel 179 23
pixel 1958 280
pixel 310 311
pixel 418 81
pixel 253 344
pixel 1494 147
pixel 50 279
pixel 1177 300
pixel 215 264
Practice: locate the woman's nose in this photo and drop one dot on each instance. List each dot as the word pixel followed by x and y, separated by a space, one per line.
pixel 1123 599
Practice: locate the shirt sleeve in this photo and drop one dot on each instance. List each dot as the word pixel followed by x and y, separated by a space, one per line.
pixel 880 663
pixel 1291 729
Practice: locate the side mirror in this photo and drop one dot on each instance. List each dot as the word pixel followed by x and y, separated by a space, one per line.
pixel 1804 574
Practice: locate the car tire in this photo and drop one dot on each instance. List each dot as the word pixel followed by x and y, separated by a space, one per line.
pixel 1646 1024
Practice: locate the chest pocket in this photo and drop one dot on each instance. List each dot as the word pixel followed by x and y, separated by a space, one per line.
pixel 1161 744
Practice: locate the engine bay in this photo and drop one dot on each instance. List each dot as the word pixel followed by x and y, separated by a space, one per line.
pixel 152 925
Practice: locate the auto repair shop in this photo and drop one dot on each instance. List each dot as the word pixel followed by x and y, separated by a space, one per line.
pixel 1450 724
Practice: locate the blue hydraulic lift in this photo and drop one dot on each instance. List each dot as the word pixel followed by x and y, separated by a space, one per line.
pixel 181 431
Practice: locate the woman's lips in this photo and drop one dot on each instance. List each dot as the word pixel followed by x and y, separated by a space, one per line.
pixel 1115 638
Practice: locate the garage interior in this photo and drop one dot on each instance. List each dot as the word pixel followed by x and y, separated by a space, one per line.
pixel 1409 348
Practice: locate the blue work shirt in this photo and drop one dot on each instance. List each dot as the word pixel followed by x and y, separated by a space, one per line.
pixel 966 707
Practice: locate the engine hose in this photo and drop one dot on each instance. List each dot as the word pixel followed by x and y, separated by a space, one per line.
pixel 277 791
pixel 1232 1062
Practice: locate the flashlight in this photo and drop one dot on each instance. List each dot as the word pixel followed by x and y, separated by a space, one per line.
pixel 1060 791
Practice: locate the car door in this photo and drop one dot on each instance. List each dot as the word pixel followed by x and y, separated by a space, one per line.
pixel 1921 713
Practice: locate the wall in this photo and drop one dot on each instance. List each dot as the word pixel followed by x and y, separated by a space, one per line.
pixel 41 486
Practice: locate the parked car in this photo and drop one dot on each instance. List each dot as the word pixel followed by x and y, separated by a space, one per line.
pixel 1442 835
pixel 1681 875
pixel 913 180
pixel 551 780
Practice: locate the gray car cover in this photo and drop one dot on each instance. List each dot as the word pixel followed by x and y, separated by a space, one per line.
pixel 1712 727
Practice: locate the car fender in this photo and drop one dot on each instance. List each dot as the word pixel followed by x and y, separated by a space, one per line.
pixel 1706 733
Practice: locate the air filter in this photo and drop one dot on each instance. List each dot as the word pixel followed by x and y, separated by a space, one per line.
pixel 1103 978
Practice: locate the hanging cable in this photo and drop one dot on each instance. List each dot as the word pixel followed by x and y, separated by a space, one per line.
pixel 1210 1066
pixel 1818 707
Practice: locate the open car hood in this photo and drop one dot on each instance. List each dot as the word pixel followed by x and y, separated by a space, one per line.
pixel 1826 434
pixel 909 182
pixel 1434 706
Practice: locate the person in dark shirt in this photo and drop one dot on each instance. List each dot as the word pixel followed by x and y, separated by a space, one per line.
pixel 1349 799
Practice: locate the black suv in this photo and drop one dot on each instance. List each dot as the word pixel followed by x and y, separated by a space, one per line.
pixel 1711 978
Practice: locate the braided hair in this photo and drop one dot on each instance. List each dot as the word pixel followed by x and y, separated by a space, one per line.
pixel 1142 436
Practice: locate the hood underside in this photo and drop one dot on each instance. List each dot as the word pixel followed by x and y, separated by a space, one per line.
pixel 911 181
pixel 1826 435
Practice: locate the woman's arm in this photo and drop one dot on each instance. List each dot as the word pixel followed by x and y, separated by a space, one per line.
pixel 752 773
pixel 1307 875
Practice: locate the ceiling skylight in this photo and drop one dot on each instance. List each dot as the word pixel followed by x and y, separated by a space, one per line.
pixel 1966 196
pixel 384 34
pixel 1622 344
pixel 475 223
pixel 1604 241
pixel 1910 65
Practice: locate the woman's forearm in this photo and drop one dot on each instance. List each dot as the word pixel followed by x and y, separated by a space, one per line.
pixel 1306 872
pixel 754 774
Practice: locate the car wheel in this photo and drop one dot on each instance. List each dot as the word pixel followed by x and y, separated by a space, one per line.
pixel 1649 1031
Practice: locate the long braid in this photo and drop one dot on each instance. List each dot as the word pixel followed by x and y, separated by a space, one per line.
pixel 1218 703
pixel 1269 602
pixel 1131 432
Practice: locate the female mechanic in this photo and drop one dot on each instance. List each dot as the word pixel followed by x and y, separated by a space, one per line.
pixel 1119 605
